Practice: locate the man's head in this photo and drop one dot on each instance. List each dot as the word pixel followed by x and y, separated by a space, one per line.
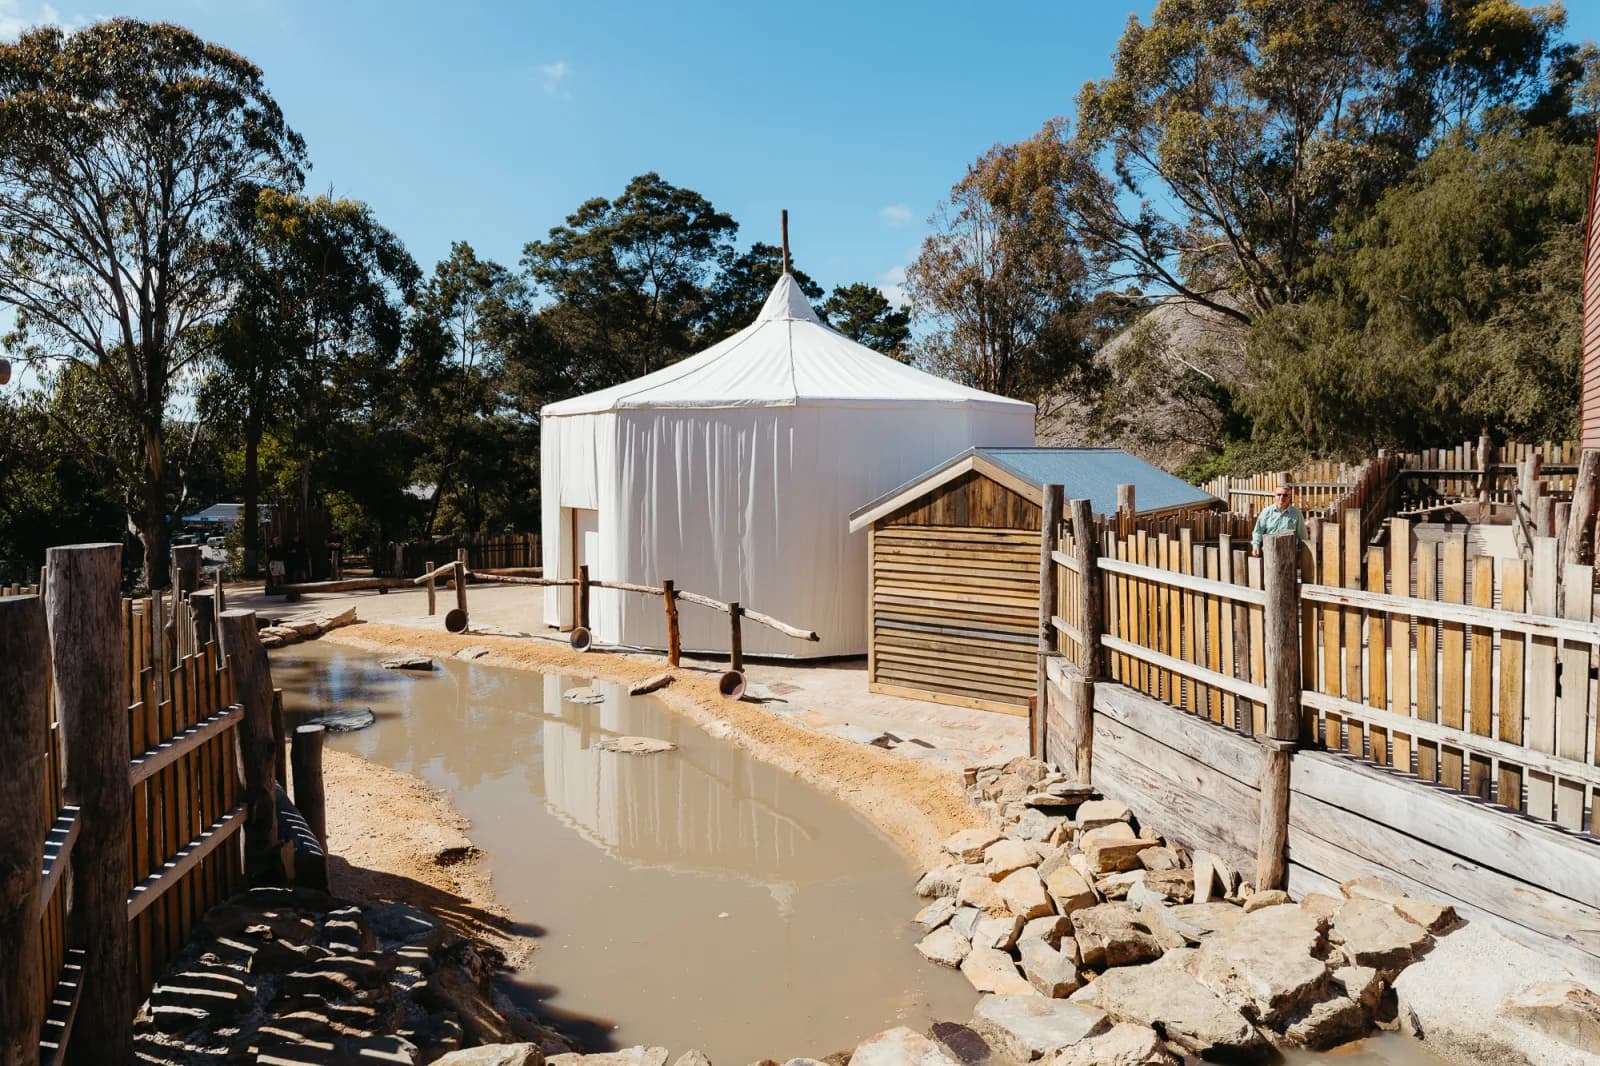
pixel 1285 496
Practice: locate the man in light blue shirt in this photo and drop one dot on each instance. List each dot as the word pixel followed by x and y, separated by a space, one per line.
pixel 1281 516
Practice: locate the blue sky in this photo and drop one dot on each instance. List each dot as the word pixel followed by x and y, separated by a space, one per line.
pixel 490 122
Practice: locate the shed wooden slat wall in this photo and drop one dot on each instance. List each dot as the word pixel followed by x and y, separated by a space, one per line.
pixel 955 596
pixel 1589 404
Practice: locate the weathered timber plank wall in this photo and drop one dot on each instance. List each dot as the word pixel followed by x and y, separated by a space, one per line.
pixel 1535 881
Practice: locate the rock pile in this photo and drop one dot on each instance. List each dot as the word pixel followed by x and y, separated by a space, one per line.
pixel 279 634
pixel 280 975
pixel 1078 926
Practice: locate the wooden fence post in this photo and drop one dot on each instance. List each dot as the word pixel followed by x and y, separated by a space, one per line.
pixel 185 569
pixel 427 568
pixel 263 860
pixel 1080 692
pixel 91 687
pixel 459 576
pixel 280 739
pixel 1280 573
pixel 306 759
pixel 1126 500
pixel 583 596
pixel 671 598
pixel 1585 496
pixel 24 739
pixel 1049 534
pixel 735 638
pixel 203 608
pixel 1486 479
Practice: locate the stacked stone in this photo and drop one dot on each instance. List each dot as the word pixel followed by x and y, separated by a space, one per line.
pixel 1063 898
pixel 280 975
pixel 276 636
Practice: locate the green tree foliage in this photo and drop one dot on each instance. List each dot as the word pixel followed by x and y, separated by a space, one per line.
pixel 627 279
pixel 123 149
pixel 1454 306
pixel 866 316
pixel 1234 134
pixel 1001 289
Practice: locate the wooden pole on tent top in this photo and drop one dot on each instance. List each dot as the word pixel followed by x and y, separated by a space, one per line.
pixel 786 241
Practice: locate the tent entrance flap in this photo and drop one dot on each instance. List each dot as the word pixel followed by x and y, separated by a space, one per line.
pixel 585 542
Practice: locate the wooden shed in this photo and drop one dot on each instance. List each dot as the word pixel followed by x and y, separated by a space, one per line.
pixel 953 566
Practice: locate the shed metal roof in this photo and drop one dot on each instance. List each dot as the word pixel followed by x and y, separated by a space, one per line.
pixel 1083 473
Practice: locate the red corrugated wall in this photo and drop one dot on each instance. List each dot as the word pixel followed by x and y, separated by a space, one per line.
pixel 1589 402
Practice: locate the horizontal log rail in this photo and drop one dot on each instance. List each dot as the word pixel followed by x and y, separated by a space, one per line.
pixel 151 888
pixel 655 590
pixel 1526 758
pixel 434 574
pixel 58 841
pixel 349 584
pixel 1536 625
pixel 170 751
pixel 1190 582
pixel 1061 558
pixel 1063 626
pixel 1192 671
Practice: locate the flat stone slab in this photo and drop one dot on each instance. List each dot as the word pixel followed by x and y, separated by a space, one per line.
pixel 1029 1027
pixel 1025 895
pixel 989 970
pixel 632 1056
pixel 1374 934
pixel 1006 856
pixel 1166 998
pixel 1266 967
pixel 944 946
pixel 345 721
pixel 1121 1045
pixel 900 1047
pixel 588 694
pixel 653 683
pixel 968 845
pixel 419 663
pixel 937 913
pixel 1114 934
pixel 635 745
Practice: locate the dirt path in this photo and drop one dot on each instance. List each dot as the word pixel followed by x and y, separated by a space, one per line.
pixel 916 804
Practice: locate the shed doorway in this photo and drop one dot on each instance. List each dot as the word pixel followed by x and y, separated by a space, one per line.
pixel 585 547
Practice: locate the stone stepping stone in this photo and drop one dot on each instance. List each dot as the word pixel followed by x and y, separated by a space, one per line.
pixel 345 721
pixel 589 694
pixel 419 663
pixel 634 745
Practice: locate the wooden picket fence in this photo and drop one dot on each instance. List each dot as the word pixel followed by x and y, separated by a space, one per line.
pixel 1325 490
pixel 1470 672
pixel 485 551
pixel 182 838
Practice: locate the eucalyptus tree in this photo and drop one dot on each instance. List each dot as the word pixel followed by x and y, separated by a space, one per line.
pixel 125 148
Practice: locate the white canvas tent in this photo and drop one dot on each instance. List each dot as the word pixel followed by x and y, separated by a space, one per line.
pixel 733 473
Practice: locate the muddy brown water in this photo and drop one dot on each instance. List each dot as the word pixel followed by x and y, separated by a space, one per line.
pixel 694 899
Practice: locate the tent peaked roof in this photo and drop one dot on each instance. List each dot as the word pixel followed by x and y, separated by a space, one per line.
pixel 787 357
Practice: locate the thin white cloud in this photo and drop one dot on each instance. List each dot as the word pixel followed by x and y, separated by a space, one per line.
pixel 553 76
pixel 896 214
pixel 892 283
pixel 18 15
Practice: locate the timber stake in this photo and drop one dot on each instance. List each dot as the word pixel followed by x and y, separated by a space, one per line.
pixel 1282 655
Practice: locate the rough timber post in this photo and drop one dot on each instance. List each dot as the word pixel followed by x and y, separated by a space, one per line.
pixel 1580 523
pixel 1282 636
pixel 305 758
pixel 263 859
pixel 735 638
pixel 673 646
pixel 583 595
pixel 280 739
pixel 459 576
pixel 427 568
pixel 1080 689
pixel 1486 478
pixel 83 604
pixel 24 733
pixel 1049 532
pixel 185 569
pixel 203 609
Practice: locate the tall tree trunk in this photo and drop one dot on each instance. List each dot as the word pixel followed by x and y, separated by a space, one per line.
pixel 252 497
pixel 154 533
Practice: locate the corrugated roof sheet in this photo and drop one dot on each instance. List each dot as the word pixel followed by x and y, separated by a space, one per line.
pixel 1095 473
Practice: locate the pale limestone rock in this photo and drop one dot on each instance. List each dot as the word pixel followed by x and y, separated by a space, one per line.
pixel 1319 904
pixel 1025 896
pixel 1110 848
pixel 1093 814
pixel 1373 934
pixel 1005 857
pixel 1050 929
pixel 1048 970
pixel 1266 967
pixel 977 890
pixel 1328 1023
pixel 968 845
pixel 1116 886
pixel 989 970
pixel 1213 878
pixel 1159 858
pixel 945 880
pixel 494 1055
pixel 1164 996
pixel 1372 888
pixel 966 919
pixel 1434 917
pixel 1274 897
pixel 1563 1010
pixel 1114 934
pixel 1121 1045
pixel 1360 983
pixel 1081 864
pixel 900 1047
pixel 944 946
pixel 1028 1027
pixel 697 1057
pixel 998 933
pixel 1174 885
pixel 631 1056
pixel 307 628
pixel 344 618
pixel 936 913
pixel 634 745
pixel 1195 922
pixel 1034 824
